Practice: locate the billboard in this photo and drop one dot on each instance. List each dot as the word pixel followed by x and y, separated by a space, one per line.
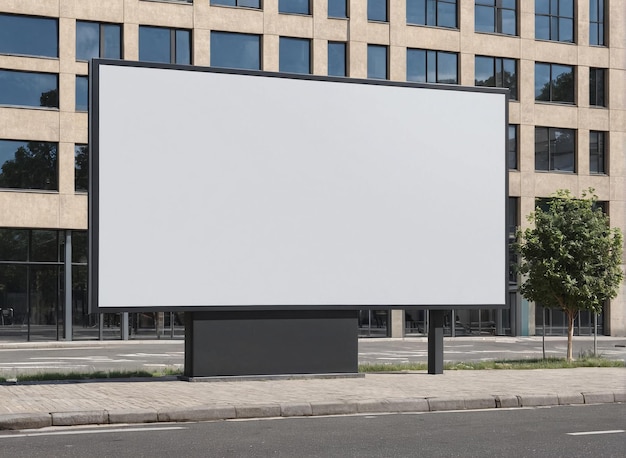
pixel 224 189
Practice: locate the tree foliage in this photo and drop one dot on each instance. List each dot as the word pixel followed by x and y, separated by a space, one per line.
pixel 571 258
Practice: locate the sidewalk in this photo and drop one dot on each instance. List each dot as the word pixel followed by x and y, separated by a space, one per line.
pixel 99 402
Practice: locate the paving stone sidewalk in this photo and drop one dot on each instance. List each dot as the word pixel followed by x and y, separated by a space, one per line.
pixel 50 404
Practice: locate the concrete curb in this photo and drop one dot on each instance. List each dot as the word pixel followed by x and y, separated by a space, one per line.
pixel 227 412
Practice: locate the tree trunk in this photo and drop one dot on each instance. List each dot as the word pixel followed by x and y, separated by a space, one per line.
pixel 570 334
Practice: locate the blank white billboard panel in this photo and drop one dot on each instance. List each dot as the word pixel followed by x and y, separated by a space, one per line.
pixel 229 189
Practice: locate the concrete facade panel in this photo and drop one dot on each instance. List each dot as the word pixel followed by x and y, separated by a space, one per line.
pixel 29 124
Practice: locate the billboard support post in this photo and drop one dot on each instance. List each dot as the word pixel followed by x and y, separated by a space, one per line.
pixel 435 342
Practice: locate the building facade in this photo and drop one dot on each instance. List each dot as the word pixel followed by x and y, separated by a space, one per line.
pixel 564 62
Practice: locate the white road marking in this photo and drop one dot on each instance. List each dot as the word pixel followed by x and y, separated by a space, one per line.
pixel 93 431
pixel 589 433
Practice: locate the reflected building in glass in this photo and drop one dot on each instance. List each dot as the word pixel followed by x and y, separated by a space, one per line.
pixel 562 61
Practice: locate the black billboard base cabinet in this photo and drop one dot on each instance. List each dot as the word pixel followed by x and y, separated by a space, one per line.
pixel 279 342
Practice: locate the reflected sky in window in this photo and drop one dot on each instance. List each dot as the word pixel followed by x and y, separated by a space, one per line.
pixel 29 35
pixel 91 35
pixel 377 61
pixel 82 93
pixel 235 50
pixel 154 44
pixel 295 55
pixel 337 8
pixel 336 59
pixel 29 89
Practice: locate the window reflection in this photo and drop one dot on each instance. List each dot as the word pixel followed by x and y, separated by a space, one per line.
pixel 597 156
pixel 81 168
pixel 554 83
pixel 440 13
pixel 337 59
pixel 29 35
pixel 239 3
pixel 82 93
pixel 294 6
pixel 496 72
pixel 29 89
pixel 377 62
pixel 94 39
pixel 554 20
pixel 555 149
pixel 597 87
pixel 235 50
pixel 294 55
pixel 157 43
pixel 377 10
pixel 426 66
pixel 28 165
pixel 496 16
pixel 337 8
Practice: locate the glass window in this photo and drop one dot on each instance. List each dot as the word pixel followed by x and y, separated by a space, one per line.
pixel 28 165
pixel 82 93
pixel 29 89
pixel 440 13
pixel 377 62
pixel 555 149
pixel 596 23
pixel 554 83
pixel 81 168
pixel 426 66
pixel 162 44
pixel 294 6
pixel 496 72
pixel 238 3
pixel 13 243
pixel 235 50
pixel 337 59
pixel 597 87
pixel 94 39
pixel 377 10
pixel 44 246
pixel 512 147
pixel 294 55
pixel 29 35
pixel 554 20
pixel 338 8
pixel 597 152
pixel 496 16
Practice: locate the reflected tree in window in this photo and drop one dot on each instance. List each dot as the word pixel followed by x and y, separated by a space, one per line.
pixel 554 83
pixel 34 166
pixel 50 99
pixel 81 168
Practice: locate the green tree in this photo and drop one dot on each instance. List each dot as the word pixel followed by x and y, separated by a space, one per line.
pixel 571 258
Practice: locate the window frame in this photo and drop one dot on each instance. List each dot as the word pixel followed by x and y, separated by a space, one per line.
pixel 594 88
pixel 385 20
pixel 601 153
pixel 235 4
pixel 437 54
pixel 551 154
pixel 347 9
pixel 498 8
pixel 345 58
pixel 222 32
pixel 34 107
pixel 54 188
pixel 101 39
pixel 554 18
pixel 39 56
pixel 286 3
pixel 85 173
pixel 173 43
pixel 378 46
pixel 436 10
pixel 501 61
pixel 550 81
pixel 515 144
pixel 599 22
pixel 284 38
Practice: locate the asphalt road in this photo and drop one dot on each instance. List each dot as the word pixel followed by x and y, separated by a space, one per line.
pixel 157 355
pixel 576 431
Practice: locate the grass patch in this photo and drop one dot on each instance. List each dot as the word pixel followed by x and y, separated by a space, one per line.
pixel 534 363
pixel 106 375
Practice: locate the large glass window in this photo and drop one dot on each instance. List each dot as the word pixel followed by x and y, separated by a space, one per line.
pixel 29 35
pixel 337 8
pixel 426 66
pixel 597 152
pixel 597 87
pixel 235 50
pixel 294 6
pixel 82 93
pixel 238 3
pixel 377 10
pixel 440 13
pixel 496 16
pixel 496 72
pixel 555 149
pixel 294 55
pixel 29 89
pixel 596 23
pixel 81 168
pixel 377 62
pixel 554 20
pixel 554 83
pixel 94 39
pixel 512 147
pixel 337 59
pixel 161 44
pixel 28 165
